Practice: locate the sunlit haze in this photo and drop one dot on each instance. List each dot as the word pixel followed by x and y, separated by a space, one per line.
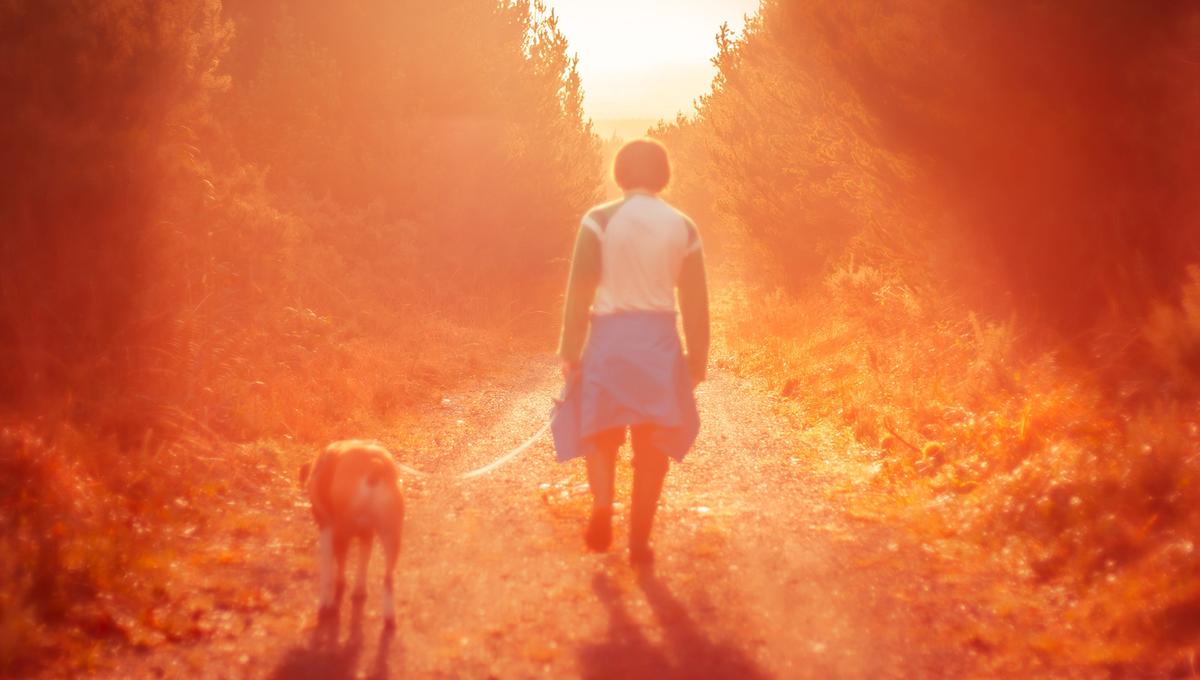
pixel 368 339
pixel 646 59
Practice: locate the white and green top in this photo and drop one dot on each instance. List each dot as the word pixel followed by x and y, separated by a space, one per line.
pixel 632 255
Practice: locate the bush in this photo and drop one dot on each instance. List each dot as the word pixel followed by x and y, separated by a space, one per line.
pixel 1173 332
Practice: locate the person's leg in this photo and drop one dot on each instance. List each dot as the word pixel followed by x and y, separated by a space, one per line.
pixel 601 471
pixel 649 470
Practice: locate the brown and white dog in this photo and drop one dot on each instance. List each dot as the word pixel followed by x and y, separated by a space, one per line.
pixel 355 494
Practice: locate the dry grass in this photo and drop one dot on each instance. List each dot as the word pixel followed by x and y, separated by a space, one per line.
pixel 1083 498
pixel 94 524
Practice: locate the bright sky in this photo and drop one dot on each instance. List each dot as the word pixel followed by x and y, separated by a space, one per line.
pixel 645 58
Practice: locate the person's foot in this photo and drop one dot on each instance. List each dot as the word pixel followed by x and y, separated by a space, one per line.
pixel 599 530
pixel 649 469
pixel 641 555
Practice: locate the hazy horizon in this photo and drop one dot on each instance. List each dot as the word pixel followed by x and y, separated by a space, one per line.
pixel 623 128
pixel 646 60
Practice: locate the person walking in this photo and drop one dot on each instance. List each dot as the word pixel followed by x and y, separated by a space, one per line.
pixel 624 366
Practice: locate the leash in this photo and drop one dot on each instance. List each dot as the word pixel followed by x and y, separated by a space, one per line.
pixel 480 471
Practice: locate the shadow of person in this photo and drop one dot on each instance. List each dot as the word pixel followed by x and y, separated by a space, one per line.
pixel 626 652
pixel 699 656
pixel 321 656
pixel 685 653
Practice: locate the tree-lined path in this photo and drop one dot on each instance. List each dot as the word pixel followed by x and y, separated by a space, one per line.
pixel 953 414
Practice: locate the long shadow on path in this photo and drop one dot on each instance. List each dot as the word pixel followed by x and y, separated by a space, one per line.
pixel 321 656
pixel 686 651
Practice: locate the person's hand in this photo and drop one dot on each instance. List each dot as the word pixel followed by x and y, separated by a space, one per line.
pixel 568 367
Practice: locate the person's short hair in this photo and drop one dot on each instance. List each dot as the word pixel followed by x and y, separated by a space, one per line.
pixel 642 164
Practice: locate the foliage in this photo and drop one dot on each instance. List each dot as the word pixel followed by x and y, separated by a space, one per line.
pixel 459 123
pixel 1043 151
pixel 966 231
pixel 1085 506
pixel 94 122
pixel 270 219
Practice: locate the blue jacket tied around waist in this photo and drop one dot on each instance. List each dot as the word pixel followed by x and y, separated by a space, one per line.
pixel 632 372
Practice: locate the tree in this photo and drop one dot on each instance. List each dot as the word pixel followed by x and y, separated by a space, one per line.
pixel 98 100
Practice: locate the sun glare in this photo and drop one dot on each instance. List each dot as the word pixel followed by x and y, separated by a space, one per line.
pixel 646 60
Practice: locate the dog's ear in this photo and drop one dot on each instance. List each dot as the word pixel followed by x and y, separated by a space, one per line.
pixel 304 474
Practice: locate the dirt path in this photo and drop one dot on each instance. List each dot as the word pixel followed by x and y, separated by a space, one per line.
pixel 760 574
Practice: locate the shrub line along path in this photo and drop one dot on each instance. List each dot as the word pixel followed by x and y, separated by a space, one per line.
pixel 761 571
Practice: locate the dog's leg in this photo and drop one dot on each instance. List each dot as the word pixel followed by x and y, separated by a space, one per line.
pixel 391 550
pixel 364 558
pixel 325 567
pixel 341 544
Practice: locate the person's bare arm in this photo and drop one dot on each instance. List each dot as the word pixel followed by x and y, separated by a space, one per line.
pixel 581 289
